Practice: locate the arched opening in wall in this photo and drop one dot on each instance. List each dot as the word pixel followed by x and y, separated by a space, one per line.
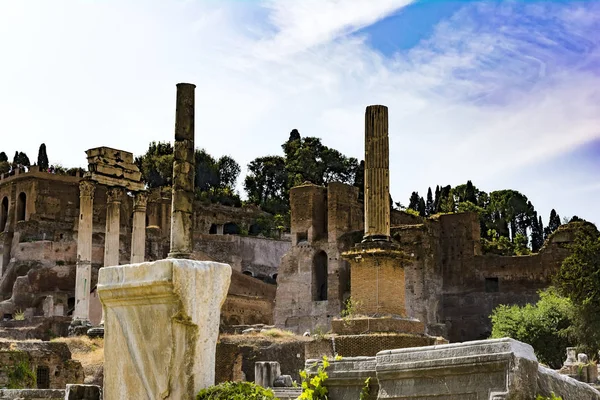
pixel 249 273
pixel 274 277
pixel 212 230
pixel 319 287
pixel 254 230
pixel 21 205
pixel 3 213
pixel 231 229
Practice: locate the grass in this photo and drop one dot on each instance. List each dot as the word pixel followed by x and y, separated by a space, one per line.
pixel 90 353
pixel 277 333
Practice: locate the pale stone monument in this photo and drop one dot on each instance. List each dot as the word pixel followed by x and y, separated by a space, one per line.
pixel 162 318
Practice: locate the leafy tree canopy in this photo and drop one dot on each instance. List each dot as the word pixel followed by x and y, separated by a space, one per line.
pixel 546 326
pixel 214 179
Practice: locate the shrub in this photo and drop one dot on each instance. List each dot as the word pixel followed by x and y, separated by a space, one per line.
pixel 313 388
pixel 235 391
pixel 545 325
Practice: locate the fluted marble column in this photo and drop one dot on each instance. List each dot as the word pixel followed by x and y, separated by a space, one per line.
pixel 138 234
pixel 183 174
pixel 113 218
pixel 377 174
pixel 83 275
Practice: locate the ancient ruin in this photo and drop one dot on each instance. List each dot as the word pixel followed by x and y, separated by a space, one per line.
pixel 179 296
pixel 76 245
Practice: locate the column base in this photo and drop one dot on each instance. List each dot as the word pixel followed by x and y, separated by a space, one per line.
pixel 79 327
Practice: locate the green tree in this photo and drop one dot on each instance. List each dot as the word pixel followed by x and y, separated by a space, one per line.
pixel 553 223
pixel 446 203
pixel 3 157
pixel 470 193
pixel 579 280
pixel 510 209
pixel 436 200
pixel 359 180
pixel 537 233
pixel 421 207
pixel 207 171
pixel 413 201
pixel 546 326
pixel 20 160
pixel 4 167
pixel 429 206
pixel 229 170
pixel 307 159
pixel 42 158
pixel 266 184
pixel 156 164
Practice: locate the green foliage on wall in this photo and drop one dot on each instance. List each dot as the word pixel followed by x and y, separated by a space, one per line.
pixel 19 372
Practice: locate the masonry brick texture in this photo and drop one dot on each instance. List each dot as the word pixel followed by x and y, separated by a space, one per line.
pixel 450 285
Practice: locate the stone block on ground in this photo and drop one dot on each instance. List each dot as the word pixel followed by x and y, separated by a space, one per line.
pixel 82 392
pixel 161 327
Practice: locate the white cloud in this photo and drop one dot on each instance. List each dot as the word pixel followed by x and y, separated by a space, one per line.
pixel 475 101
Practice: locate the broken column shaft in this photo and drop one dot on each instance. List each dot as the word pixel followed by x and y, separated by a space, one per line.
pixel 183 174
pixel 377 174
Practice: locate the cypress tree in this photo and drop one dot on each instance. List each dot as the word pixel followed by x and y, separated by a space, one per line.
pixel 553 223
pixel 470 193
pixel 413 202
pixel 429 210
pixel 421 207
pixel 537 233
pixel 42 159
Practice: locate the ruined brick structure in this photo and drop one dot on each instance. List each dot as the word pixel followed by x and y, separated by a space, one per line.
pixel 450 285
pixel 49 362
pixel 38 244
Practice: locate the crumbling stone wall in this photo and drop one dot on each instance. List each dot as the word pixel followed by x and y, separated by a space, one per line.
pixel 45 365
pixel 249 301
pixel 320 221
pixel 236 355
pixel 450 285
pixel 38 254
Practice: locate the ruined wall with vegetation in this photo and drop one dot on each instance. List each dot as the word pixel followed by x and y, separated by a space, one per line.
pixel 451 285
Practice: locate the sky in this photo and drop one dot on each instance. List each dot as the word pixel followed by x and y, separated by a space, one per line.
pixel 503 93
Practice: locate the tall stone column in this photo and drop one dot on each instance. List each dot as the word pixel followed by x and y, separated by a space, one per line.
pixel 377 174
pixel 138 234
pixel 113 226
pixel 84 250
pixel 183 174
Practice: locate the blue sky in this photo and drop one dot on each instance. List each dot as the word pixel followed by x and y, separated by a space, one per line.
pixel 504 93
